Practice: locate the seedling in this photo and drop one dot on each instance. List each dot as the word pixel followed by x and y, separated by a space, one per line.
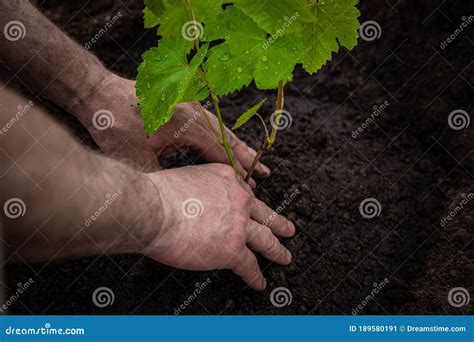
pixel 212 48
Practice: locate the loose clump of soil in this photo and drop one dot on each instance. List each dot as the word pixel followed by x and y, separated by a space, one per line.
pixel 407 158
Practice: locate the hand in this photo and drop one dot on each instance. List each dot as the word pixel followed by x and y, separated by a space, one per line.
pixel 127 138
pixel 213 221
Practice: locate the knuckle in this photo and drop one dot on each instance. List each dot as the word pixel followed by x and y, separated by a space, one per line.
pixel 243 198
pixel 226 171
pixel 234 244
pixel 254 266
pixel 279 222
pixel 273 244
pixel 236 240
pixel 240 223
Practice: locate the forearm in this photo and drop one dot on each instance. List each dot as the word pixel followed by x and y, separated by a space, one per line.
pixel 76 203
pixel 46 59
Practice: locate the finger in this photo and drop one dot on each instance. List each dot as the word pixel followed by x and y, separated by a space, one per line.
pixel 279 225
pixel 246 155
pixel 262 240
pixel 247 268
pixel 247 187
pixel 152 164
pixel 243 172
pixel 215 153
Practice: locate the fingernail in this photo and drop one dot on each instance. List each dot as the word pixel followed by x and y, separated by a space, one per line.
pixel 289 256
pixel 265 169
pixel 252 183
pixel 264 284
pixel 292 227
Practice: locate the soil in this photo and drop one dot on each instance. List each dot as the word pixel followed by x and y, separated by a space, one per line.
pixel 408 158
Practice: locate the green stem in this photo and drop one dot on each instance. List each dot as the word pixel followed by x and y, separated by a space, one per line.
pixel 225 140
pixel 279 111
pixel 269 141
pixel 203 75
pixel 209 123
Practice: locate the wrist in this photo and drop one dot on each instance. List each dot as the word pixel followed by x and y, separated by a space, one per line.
pixel 143 212
pixel 125 216
pixel 79 82
pixel 89 96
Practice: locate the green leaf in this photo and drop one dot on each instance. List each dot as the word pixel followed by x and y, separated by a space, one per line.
pixel 335 22
pixel 165 79
pixel 246 54
pixel 242 120
pixel 277 16
pixel 149 18
pixel 156 7
pixel 177 13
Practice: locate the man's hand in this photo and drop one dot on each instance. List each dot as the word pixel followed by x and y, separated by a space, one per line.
pixel 63 72
pixel 40 158
pixel 211 220
pixel 195 218
pixel 126 138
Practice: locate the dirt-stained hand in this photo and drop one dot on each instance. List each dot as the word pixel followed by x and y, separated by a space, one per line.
pixel 126 137
pixel 213 221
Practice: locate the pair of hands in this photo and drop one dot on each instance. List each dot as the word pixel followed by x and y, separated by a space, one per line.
pixel 231 222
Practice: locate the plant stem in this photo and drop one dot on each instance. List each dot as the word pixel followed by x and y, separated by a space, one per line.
pixel 261 150
pixel 225 140
pixel 269 141
pixel 215 100
pixel 211 127
pixel 279 111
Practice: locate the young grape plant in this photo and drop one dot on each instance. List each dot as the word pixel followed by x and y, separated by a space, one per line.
pixel 213 48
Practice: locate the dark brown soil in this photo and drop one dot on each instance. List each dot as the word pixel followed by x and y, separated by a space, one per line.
pixel 408 159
